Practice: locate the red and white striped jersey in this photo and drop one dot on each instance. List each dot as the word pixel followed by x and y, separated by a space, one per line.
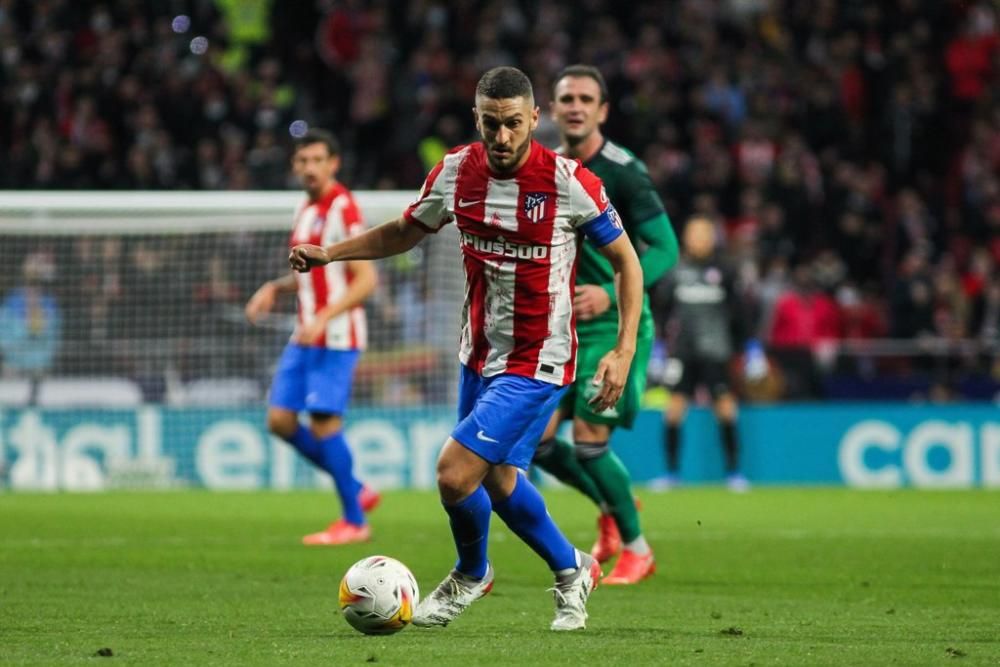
pixel 330 219
pixel 519 239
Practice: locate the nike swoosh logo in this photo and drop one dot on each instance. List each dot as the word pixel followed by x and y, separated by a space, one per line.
pixel 462 203
pixel 484 437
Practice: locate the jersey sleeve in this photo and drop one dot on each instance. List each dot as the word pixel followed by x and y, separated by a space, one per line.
pixel 354 222
pixel 592 212
pixel 430 210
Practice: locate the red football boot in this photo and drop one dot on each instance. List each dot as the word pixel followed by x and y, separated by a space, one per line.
pixel 609 540
pixel 631 568
pixel 339 532
pixel 369 498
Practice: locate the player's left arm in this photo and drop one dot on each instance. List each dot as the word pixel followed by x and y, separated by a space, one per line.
pixel 364 278
pixel 606 233
pixel 600 222
pixel 613 369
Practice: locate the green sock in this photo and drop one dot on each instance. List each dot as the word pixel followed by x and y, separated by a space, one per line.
pixel 608 471
pixel 558 458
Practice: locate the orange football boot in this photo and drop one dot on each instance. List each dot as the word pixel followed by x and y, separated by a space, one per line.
pixel 631 568
pixel 339 532
pixel 369 498
pixel 609 540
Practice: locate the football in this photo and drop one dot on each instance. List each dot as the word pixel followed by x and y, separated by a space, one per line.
pixel 378 595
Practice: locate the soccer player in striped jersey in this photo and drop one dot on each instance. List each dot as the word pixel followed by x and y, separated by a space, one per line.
pixel 579 108
pixel 315 370
pixel 519 208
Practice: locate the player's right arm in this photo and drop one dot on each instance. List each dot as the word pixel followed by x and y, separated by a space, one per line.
pixel 424 216
pixel 262 300
pixel 391 238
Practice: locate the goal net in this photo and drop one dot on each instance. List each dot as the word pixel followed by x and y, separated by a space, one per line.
pixel 127 359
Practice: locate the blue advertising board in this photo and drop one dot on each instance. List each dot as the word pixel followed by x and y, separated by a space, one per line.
pixel 861 445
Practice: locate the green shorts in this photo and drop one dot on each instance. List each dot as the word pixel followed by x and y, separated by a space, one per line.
pixel 588 356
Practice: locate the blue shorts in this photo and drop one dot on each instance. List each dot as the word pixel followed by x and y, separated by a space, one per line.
pixel 501 418
pixel 314 379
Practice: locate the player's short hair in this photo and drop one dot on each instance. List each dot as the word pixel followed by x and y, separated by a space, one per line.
pixel 501 83
pixel 584 71
pixel 319 136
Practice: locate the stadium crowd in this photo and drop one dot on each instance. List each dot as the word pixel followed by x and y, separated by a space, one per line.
pixel 849 149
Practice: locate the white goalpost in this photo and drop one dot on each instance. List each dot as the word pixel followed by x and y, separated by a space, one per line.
pixel 124 340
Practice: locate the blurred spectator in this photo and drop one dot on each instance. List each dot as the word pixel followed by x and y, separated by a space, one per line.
pixel 861 313
pixel 804 316
pixel 30 320
pixel 913 298
pixel 864 134
pixel 805 324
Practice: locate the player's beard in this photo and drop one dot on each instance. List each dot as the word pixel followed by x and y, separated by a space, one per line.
pixel 515 156
pixel 313 187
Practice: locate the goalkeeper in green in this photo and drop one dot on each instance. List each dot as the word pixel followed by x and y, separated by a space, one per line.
pixel 579 108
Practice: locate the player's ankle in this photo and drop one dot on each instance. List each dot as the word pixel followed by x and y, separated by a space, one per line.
pixel 570 571
pixel 639 546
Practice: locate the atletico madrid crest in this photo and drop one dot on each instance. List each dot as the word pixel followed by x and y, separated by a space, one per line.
pixel 534 205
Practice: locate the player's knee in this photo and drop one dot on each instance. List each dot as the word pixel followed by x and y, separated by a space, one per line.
pixel 282 424
pixel 323 425
pixel 676 410
pixel 453 482
pixel 725 408
pixel 500 482
pixel 587 451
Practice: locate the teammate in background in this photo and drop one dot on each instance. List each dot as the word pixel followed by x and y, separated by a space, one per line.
pixel 519 208
pixel 315 371
pixel 704 319
pixel 579 108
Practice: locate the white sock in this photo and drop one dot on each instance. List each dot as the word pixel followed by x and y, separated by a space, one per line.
pixel 639 546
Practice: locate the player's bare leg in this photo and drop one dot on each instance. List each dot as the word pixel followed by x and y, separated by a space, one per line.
pixel 636 561
pixel 460 474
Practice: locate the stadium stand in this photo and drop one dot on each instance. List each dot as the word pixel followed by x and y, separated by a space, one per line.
pixel 850 150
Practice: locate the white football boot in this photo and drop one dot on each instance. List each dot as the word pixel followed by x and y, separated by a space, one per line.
pixel 571 592
pixel 451 597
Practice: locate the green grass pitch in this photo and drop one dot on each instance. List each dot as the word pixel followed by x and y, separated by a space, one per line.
pixel 774 577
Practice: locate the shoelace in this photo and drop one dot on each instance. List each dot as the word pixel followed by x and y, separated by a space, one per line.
pixel 564 606
pixel 447 593
pixel 562 600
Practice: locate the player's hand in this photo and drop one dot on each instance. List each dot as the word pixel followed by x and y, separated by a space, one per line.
pixel 311 333
pixel 304 257
pixel 610 378
pixel 260 303
pixel 590 301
